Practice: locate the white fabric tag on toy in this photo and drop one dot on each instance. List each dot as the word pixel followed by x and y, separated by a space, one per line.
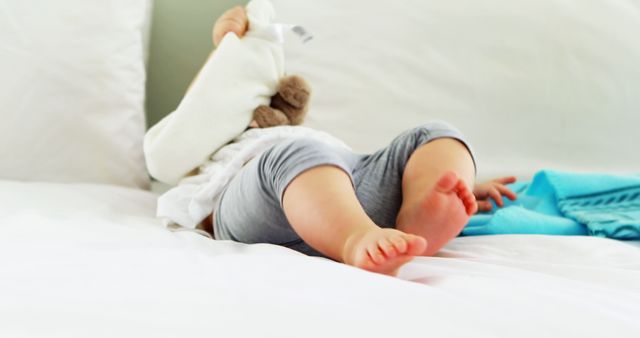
pixel 261 15
pixel 304 35
pixel 276 32
pixel 242 74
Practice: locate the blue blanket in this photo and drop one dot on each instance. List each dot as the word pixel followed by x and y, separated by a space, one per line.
pixel 561 203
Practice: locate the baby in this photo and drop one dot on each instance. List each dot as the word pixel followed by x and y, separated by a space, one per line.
pixel 375 212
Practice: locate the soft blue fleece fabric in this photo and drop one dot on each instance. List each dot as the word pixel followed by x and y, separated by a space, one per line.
pixel 562 203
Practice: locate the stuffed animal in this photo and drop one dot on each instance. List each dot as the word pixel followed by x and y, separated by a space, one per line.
pixel 288 106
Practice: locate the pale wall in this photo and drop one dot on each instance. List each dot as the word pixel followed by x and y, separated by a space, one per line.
pixel 180 43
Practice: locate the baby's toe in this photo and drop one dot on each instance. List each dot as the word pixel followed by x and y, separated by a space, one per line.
pixel 416 245
pixel 387 248
pixel 399 243
pixel 447 182
pixel 469 201
pixel 375 253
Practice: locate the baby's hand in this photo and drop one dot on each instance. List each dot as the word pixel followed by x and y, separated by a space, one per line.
pixel 493 189
pixel 234 20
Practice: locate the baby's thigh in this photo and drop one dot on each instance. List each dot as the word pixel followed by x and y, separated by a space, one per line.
pixel 250 212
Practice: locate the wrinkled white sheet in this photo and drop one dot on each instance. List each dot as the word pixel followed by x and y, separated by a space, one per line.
pixel 90 260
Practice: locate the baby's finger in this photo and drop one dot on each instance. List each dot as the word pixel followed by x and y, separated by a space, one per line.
pixel 506 180
pixel 495 195
pixel 480 193
pixel 225 26
pixel 234 20
pixel 484 206
pixel 507 192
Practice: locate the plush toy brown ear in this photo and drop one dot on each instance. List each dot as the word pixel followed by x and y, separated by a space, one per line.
pixel 288 106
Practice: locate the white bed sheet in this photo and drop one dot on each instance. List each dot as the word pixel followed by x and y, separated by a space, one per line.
pixel 91 260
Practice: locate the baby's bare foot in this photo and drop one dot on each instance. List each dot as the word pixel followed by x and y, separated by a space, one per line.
pixel 441 214
pixel 382 250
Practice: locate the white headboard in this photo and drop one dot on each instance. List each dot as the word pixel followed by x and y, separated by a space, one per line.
pixel 533 84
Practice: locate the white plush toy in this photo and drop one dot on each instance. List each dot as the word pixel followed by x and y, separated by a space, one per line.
pixel 242 74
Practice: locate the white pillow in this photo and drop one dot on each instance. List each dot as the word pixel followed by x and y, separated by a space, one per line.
pixel 72 91
pixel 533 84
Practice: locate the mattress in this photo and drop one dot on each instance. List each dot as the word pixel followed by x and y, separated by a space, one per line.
pixel 91 260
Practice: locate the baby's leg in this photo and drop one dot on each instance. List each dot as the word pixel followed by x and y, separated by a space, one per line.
pixel 322 207
pixel 437 192
pixel 300 194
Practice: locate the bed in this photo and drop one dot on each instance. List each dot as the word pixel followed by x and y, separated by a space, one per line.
pixel 82 253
